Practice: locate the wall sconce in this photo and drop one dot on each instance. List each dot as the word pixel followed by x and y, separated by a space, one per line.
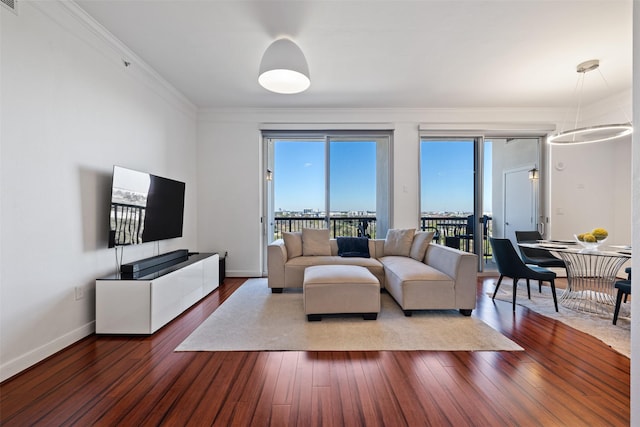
pixel 269 176
pixel 534 174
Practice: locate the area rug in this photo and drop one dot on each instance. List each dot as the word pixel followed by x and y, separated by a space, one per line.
pixel 254 319
pixel 601 326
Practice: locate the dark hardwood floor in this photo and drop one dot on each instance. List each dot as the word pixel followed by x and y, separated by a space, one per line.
pixel 563 378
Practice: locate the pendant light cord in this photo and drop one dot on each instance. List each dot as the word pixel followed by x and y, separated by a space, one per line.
pixel 606 83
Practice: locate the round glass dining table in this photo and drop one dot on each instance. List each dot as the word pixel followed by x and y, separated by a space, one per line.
pixel 591 275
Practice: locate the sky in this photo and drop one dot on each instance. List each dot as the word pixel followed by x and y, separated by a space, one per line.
pixel 299 176
pixel 446 182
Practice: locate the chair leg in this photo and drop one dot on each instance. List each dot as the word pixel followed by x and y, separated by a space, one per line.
pixel 553 292
pixel 539 286
pixel 618 303
pixel 528 289
pixel 497 286
pixel 515 290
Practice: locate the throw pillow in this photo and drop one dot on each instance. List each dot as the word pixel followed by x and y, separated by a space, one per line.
pixel 353 247
pixel 293 243
pixel 420 244
pixel 398 242
pixel 315 241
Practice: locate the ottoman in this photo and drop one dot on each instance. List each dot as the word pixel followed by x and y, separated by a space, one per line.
pixel 340 289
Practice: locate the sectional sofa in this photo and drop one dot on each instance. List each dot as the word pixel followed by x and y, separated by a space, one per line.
pixel 418 274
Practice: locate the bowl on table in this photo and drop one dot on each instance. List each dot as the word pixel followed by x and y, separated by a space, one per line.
pixel 589 246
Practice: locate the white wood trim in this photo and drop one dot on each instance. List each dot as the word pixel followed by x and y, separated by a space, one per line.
pixel 30 358
pixel 98 37
pixel 326 126
pixel 485 129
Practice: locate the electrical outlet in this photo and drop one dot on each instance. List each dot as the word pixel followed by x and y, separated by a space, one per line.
pixel 79 293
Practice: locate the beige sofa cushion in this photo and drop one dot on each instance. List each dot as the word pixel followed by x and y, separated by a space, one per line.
pixel 417 286
pixel 293 243
pixel 315 241
pixel 398 242
pixel 420 243
pixel 334 260
pixel 407 269
pixel 295 267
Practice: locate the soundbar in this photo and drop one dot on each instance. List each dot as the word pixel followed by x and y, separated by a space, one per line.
pixel 147 263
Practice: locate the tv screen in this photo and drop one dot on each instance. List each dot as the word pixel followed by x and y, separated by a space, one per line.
pixel 144 208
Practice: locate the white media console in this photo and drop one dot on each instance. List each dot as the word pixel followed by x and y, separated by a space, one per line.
pixel 128 304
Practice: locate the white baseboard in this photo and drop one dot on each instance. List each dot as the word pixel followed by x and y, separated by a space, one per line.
pixel 19 364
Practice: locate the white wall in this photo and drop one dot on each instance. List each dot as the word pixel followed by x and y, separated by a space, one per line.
pixel 591 187
pixel 70 110
pixel 635 188
pixel 229 213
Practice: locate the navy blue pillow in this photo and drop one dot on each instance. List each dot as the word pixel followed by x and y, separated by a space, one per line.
pixel 353 247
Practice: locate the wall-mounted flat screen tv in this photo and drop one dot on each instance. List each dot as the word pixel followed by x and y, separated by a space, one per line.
pixel 144 208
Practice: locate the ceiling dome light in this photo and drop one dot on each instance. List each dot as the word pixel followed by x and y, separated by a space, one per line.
pixel 590 134
pixel 284 68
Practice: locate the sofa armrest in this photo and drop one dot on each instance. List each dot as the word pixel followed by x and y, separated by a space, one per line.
pixel 461 266
pixel 276 259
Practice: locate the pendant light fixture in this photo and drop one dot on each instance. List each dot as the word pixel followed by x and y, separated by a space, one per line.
pixel 284 68
pixel 590 134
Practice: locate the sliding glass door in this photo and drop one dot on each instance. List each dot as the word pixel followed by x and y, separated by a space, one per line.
pixel 299 177
pixel 327 180
pixel 468 190
pixel 448 191
pixel 352 187
pixel 517 199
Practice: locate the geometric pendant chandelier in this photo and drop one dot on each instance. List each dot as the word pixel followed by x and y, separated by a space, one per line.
pixel 284 68
pixel 590 134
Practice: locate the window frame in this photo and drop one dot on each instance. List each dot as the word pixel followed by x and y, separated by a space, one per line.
pixel 384 171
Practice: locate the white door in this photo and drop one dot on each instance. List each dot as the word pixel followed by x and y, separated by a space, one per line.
pixel 519 203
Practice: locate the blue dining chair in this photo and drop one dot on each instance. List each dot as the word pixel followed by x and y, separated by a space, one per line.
pixel 511 265
pixel 624 290
pixel 537 256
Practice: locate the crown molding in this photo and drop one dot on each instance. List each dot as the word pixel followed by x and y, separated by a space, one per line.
pixel 409 116
pixel 73 18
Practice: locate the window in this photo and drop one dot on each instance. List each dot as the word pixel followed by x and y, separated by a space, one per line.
pixel 338 181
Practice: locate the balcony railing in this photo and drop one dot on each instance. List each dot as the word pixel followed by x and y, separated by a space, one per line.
pixel 448 229
pixel 127 224
pixel 352 226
